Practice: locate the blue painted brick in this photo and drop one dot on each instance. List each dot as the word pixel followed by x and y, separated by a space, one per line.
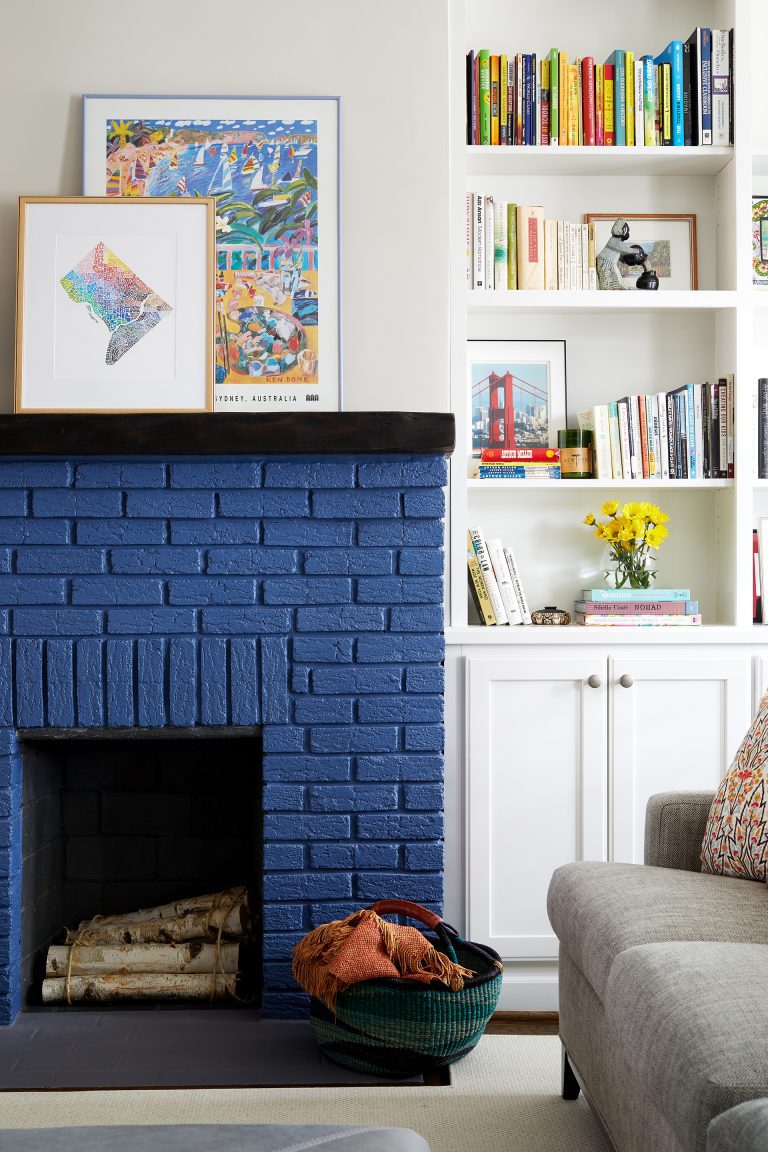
pixel 416 886
pixel 215 531
pixel 57 622
pixel 300 679
pixel 6 692
pixel 264 503
pixel 283 917
pixel 357 679
pixel 150 694
pixel 216 474
pixel 424 857
pixel 421 562
pixel 352 798
pixel 126 621
pixel 396 649
pixel 307 768
pixel 200 590
pixel 192 505
pixel 410 826
pixel 278 976
pixel 283 738
pixel 156 561
pixel 424 797
pixel 214 681
pixel 306 886
pixel 252 561
pixel 349 561
pixel 324 710
pixel 307 533
pixel 424 738
pixel 34 531
pixel 279 945
pixel 5 621
pixel 246 620
pixel 295 826
pixel 348 618
pixel 60 660
pixel 400 709
pixel 244 680
pixel 357 504
pixel 423 619
pixel 425 679
pixel 90 684
pixel 9 745
pixel 70 502
pixel 401 533
pixel 324 913
pixel 30 704
pixel 338 856
pixel 102 590
pixel 32 590
pixel 121 531
pixel 13 502
pixel 325 649
pixel 422 472
pixel 354 739
pixel 275 705
pixel 283 798
pixel 308 590
pixel 61 561
pixel 425 502
pixel 5 559
pixel 27 474
pixel 303 473
pixel 399 590
pixel 119 682
pixel 182 661
pixel 284 1006
pixel 10 771
pixel 376 856
pixel 285 857
pixel 116 474
pixel 10 863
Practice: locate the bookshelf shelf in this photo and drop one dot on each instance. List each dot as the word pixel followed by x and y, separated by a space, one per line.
pixel 601 302
pixel 575 634
pixel 543 161
pixel 600 485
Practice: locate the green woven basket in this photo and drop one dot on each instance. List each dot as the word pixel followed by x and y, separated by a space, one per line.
pixel 400 1028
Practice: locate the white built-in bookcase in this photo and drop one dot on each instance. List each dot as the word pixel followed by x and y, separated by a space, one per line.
pixel 617 342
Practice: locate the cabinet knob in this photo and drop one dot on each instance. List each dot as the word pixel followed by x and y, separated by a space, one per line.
pixel 626 681
pixel 594 681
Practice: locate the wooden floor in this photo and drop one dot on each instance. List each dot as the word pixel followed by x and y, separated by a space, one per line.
pixel 523 1024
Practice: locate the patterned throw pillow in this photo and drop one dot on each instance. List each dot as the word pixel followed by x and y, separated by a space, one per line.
pixel 736 836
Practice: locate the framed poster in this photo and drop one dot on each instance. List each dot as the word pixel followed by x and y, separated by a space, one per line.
pixel 668 240
pixel 272 164
pixel 114 305
pixel 516 393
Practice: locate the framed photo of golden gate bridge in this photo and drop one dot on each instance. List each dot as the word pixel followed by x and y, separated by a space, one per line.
pixel 272 164
pixel 516 392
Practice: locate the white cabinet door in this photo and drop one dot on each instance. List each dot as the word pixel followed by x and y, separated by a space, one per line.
pixel 536 795
pixel 675 724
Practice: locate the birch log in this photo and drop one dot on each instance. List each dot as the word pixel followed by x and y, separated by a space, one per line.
pixel 94 959
pixel 177 908
pixel 139 986
pixel 195 926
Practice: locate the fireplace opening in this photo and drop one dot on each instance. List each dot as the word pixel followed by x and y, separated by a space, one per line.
pixel 118 820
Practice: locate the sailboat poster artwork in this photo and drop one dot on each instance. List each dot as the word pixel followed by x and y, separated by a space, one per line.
pixel 272 166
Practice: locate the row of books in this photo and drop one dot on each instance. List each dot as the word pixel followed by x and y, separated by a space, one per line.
pixel 496 591
pixel 517 464
pixel 633 607
pixel 681 97
pixel 511 246
pixel 684 434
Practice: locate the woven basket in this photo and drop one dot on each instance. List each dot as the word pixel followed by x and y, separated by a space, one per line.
pixel 401 1028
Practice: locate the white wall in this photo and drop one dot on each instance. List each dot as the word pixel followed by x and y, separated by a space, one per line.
pixel 387 60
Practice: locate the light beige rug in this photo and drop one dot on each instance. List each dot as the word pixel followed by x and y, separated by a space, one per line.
pixel 504 1098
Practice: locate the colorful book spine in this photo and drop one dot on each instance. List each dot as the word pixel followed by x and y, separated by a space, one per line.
pixel 649 101
pixel 614 432
pixel 545 103
pixel 519 472
pixel 530 247
pixel 504 580
pixel 693 44
pixel 636 594
pixel 573 104
pixel 601 443
pixel 521 455
pixel 514 572
pixel 477 588
pixel 723 404
pixel 661 399
pixel 688 84
pixel 626 451
pixel 604 621
pixel 500 244
pixel 705 64
pixel 512 247
pixel 489 241
pixel 639 114
pixel 468 207
pixel 666 104
pixel 592 256
pixel 690 400
pixel 620 97
pixel 588 92
pixel 731 412
pixel 638 607
pixel 471 102
pixel 554 96
pixel 721 87
pixel 503 98
pixel 629 63
pixel 519 98
pixel 609 128
pixel 495 98
pixel 643 417
pixel 527 101
pixel 484 65
pixel 563 82
pixel 599 105
pixel 672 59
pixel 478 246
pixel 762 428
pixel 481 551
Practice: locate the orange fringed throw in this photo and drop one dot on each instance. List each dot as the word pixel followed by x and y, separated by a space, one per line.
pixel 365 947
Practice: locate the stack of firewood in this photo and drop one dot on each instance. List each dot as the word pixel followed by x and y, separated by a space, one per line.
pixel 186 950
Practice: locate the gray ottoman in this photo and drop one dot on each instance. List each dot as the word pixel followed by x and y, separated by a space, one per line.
pixel 740 1129
pixel 212 1138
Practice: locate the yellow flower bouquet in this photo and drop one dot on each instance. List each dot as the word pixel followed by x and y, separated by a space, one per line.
pixel 630 532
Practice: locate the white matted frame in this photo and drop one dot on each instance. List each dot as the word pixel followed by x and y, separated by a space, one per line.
pixel 272 162
pixel 114 305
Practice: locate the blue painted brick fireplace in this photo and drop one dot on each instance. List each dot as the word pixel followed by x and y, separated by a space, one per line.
pixel 301 594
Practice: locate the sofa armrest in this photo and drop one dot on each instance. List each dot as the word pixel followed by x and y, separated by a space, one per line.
pixel 743 1128
pixel 674 829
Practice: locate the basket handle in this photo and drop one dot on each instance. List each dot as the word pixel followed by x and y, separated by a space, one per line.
pixel 445 933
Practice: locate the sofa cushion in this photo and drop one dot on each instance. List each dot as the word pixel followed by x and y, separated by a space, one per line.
pixel 214 1138
pixel 692 1023
pixel 740 1129
pixel 597 910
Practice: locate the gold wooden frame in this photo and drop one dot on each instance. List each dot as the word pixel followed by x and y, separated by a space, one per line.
pixel 206 202
pixel 690 217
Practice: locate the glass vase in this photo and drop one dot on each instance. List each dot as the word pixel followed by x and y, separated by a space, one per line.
pixel 638 573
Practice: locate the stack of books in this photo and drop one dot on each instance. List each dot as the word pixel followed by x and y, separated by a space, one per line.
pixel 496 591
pixel 619 607
pixel 684 434
pixel 683 96
pixel 511 246
pixel 518 464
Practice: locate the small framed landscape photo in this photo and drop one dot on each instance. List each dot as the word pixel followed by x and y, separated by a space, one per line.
pixel 114 305
pixel 668 240
pixel 516 393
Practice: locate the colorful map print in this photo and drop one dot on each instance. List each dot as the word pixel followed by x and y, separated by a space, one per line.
pixel 117 297
pixel 263 174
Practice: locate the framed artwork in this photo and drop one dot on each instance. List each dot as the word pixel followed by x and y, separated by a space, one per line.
pixel 759 240
pixel 114 305
pixel 516 393
pixel 272 164
pixel 667 239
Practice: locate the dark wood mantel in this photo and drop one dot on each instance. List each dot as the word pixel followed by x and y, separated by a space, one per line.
pixel 223 434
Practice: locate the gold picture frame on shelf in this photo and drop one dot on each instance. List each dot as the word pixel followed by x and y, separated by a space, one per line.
pixel 668 240
pixel 114 305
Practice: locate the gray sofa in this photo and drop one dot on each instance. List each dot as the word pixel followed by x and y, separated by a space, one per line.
pixel 664 992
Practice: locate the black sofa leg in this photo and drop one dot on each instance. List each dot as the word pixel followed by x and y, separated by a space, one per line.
pixel 570 1089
